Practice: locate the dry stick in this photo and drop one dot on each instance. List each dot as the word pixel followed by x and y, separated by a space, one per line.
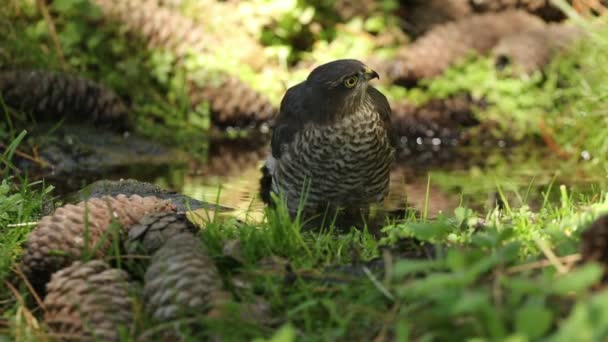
pixel 551 256
pixel 29 287
pixel 29 317
pixel 24 224
pixel 378 284
pixel 52 31
pixel 568 259
pixel 547 136
pixel 24 155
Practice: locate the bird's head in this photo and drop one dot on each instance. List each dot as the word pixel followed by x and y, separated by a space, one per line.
pixel 340 87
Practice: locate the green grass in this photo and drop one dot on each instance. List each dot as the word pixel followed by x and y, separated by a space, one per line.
pixel 21 203
pixel 475 287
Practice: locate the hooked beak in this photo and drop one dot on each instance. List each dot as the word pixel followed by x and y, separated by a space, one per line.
pixel 369 74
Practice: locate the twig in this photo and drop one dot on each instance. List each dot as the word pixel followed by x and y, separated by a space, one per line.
pixel 551 256
pixel 378 285
pixel 24 155
pixel 547 136
pixel 568 259
pixel 24 224
pixel 52 31
pixel 28 315
pixel 29 286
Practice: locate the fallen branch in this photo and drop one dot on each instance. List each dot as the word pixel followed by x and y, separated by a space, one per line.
pixel 547 135
pixel 567 260
pixel 52 31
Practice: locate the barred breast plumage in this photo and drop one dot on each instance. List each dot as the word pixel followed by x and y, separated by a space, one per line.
pixel 346 164
pixel 331 146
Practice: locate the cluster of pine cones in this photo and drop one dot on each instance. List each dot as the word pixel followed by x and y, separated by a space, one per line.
pixel 445 31
pixel 505 34
pixel 232 102
pixel 515 32
pixel 68 258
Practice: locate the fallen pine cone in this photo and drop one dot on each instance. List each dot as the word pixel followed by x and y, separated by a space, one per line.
pixel 153 230
pixel 164 27
pixel 232 102
pixel 182 280
pixel 75 230
pixel 422 15
pixel 53 95
pixel 446 44
pixel 88 302
pixel 542 8
pixel 532 50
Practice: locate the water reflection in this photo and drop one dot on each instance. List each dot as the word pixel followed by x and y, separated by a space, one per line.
pixel 479 178
pixel 231 177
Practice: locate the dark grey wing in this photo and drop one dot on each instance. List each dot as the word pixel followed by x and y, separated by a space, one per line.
pixel 290 118
pixel 384 108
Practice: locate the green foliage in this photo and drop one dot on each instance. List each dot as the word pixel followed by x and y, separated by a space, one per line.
pixel 472 289
pixel 587 322
pixel 21 202
pixel 303 27
pixel 580 111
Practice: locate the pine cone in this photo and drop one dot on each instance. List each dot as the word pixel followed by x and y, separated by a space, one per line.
pixel 232 102
pixel 594 242
pixel 129 210
pixel 430 55
pixel 422 15
pixel 166 28
pixel 181 279
pixel 160 27
pixel 542 8
pixel 61 238
pixel 533 50
pixel 52 96
pixel 153 230
pixel 88 302
pixel 438 122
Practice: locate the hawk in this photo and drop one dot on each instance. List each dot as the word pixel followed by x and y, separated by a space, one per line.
pixel 332 142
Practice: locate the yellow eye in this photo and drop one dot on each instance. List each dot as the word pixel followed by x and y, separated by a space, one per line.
pixel 350 81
